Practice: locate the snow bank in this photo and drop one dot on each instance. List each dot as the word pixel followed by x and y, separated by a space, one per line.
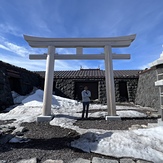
pixel 22 114
pixel 142 143
pixel 130 113
pixel 124 114
pixel 17 99
pixel 65 104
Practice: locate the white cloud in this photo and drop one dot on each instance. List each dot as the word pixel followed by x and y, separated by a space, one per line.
pixel 24 62
pixel 14 48
pixel 143 67
pixel 32 65
pixel 21 59
pixel 19 56
pixel 19 50
pixel 3 47
pixel 69 65
pixel 77 64
pixel 66 50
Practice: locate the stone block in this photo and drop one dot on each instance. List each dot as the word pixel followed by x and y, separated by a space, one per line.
pixel 53 161
pixel 113 118
pixel 32 160
pixel 5 138
pixel 143 161
pixel 44 118
pixel 3 161
pixel 126 160
pixel 79 160
pixel 101 160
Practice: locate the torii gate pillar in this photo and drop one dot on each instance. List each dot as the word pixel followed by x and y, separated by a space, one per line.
pixel 109 80
pixel 79 44
pixel 48 86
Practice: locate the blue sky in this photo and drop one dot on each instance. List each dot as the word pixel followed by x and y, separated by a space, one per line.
pixel 81 18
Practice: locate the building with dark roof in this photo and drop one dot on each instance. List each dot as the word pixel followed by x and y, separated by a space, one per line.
pixel 16 79
pixel 130 85
pixel 70 84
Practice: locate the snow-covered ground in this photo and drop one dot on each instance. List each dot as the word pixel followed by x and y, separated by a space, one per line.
pixel 142 143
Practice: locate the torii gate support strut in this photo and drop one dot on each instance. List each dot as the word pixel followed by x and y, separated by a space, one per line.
pixel 79 44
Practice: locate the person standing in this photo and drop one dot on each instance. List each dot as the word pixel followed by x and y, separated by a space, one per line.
pixel 86 94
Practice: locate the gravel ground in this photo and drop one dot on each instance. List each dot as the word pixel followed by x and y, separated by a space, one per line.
pixel 53 142
pixel 123 124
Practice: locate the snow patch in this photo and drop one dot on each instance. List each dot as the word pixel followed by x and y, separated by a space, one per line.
pixel 142 143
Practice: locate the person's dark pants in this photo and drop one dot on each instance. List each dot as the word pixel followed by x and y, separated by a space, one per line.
pixel 85 108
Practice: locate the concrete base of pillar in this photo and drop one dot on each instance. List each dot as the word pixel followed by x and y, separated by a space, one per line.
pixel 160 122
pixel 42 118
pixel 113 118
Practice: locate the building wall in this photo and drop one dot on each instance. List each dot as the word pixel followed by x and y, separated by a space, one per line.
pixel 66 88
pixel 5 91
pixel 147 94
pixel 16 79
pixel 22 81
pixel 131 88
pixel 102 91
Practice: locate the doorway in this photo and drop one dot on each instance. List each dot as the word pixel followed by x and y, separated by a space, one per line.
pixel 123 93
pixel 15 84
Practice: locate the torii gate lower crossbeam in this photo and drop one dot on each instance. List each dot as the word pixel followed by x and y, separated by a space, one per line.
pixel 79 43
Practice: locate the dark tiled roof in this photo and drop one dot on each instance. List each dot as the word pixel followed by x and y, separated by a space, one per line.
pixel 126 73
pixel 93 73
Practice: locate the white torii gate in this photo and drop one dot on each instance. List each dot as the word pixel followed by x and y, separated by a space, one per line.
pixel 79 44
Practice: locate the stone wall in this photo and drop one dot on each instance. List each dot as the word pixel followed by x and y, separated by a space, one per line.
pixel 16 79
pixel 102 91
pixel 5 91
pixel 147 94
pixel 66 88
pixel 131 89
pixel 132 84
pixel 30 80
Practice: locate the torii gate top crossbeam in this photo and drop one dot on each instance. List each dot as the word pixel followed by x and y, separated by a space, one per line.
pixel 40 42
